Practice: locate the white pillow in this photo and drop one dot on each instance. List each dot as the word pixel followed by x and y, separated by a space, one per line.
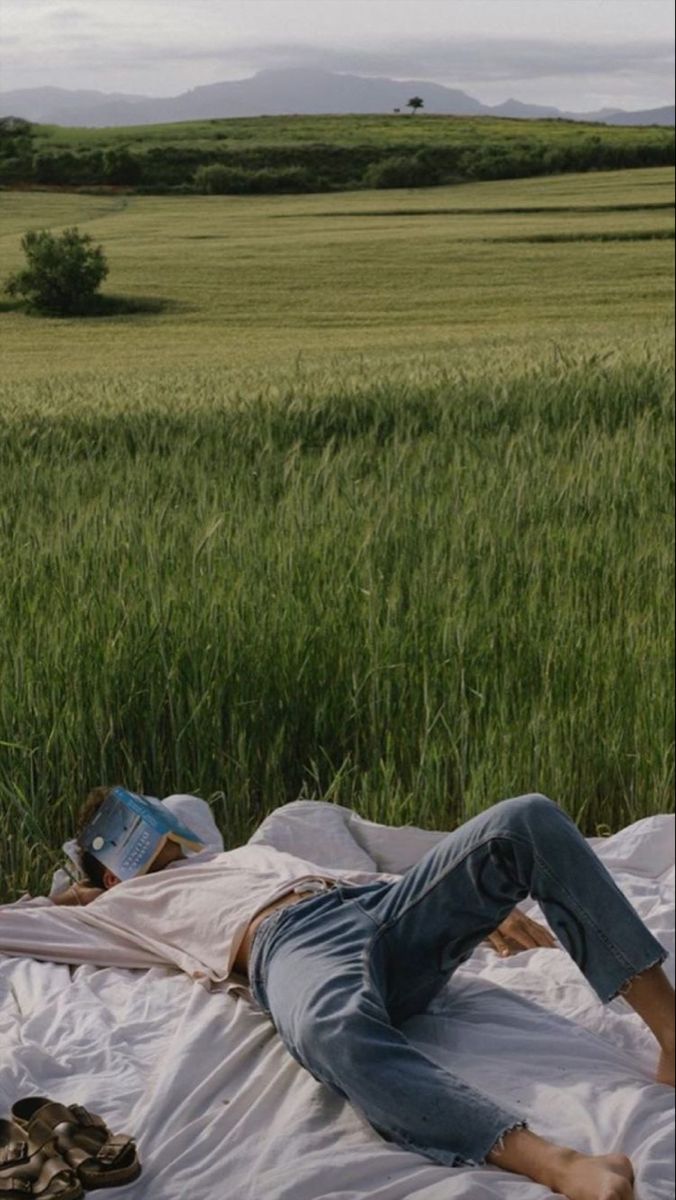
pixel 316 831
pixel 395 849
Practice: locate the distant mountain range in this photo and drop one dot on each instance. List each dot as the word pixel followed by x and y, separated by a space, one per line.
pixel 285 92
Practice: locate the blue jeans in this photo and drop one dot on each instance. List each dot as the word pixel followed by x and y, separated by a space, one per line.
pixel 338 973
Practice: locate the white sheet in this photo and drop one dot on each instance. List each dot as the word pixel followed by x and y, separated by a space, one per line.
pixel 220 1109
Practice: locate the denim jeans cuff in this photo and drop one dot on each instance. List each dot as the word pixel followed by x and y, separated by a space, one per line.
pixel 499 1145
pixel 621 991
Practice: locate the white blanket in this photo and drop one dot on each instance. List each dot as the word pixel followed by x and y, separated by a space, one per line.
pixel 220 1109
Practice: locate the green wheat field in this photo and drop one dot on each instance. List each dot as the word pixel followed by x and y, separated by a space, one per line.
pixel 365 497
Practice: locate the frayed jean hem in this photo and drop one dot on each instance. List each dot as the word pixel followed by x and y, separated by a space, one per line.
pixel 621 992
pixel 499 1146
pixel 450 1158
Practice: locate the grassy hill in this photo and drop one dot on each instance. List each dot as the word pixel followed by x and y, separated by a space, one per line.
pixel 321 153
pixel 387 130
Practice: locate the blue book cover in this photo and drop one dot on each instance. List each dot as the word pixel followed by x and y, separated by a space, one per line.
pixel 128 831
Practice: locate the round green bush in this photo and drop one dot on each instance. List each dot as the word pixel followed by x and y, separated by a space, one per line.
pixel 62 274
pixel 402 171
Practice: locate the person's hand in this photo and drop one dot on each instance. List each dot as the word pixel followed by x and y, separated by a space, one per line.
pixel 519 932
pixel 78 894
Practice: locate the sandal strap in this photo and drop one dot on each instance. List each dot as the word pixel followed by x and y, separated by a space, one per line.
pixel 113 1149
pixel 45 1118
pixel 10 1185
pixel 86 1118
pixel 14 1153
pixel 43 1137
pixel 58 1171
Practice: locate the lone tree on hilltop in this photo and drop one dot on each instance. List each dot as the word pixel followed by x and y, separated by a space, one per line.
pixel 415 103
pixel 62 275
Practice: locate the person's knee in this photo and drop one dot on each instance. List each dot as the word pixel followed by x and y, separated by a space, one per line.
pixel 532 808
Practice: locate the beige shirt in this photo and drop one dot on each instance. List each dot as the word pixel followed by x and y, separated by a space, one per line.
pixel 192 915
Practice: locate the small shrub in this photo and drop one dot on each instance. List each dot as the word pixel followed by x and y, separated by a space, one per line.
pixel 62 275
pixel 15 169
pixel 15 127
pixel 121 167
pixel 404 170
pixel 281 179
pixel 216 179
pixel 49 168
pixel 16 149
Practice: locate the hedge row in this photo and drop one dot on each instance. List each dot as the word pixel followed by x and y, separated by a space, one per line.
pixel 321 167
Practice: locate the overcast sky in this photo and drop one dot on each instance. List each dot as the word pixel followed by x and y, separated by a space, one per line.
pixel 576 54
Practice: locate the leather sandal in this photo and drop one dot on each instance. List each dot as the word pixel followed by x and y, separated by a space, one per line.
pixel 28 1172
pixel 100 1158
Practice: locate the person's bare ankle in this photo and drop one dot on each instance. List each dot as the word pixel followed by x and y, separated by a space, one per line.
pixel 651 995
pixel 560 1168
pixel 525 1153
pixel 565 1171
pixel 666 1070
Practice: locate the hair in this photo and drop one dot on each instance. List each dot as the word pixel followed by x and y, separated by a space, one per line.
pixel 94 870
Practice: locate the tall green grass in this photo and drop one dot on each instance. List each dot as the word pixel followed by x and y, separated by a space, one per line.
pixel 413 593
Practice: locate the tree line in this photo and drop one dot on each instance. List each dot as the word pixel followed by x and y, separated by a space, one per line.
pixel 264 169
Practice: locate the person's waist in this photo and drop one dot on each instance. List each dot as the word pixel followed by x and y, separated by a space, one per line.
pixel 305 890
pixel 300 891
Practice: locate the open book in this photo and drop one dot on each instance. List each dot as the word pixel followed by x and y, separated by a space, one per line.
pixel 128 831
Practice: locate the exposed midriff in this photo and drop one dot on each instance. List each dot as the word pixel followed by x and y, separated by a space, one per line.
pixel 242 958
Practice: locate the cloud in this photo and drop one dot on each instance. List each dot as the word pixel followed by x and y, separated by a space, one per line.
pixel 490 59
pixel 67 16
pixel 122 47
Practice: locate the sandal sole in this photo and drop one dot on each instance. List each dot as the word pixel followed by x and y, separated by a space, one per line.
pixel 94 1181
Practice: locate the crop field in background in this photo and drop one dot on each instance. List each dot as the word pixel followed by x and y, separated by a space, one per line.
pixel 247 282
pixel 371 502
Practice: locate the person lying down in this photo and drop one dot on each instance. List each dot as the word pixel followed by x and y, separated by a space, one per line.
pixel 338 960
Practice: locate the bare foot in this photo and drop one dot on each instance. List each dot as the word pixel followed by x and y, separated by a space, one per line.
pixel 602 1177
pixel 666 1069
